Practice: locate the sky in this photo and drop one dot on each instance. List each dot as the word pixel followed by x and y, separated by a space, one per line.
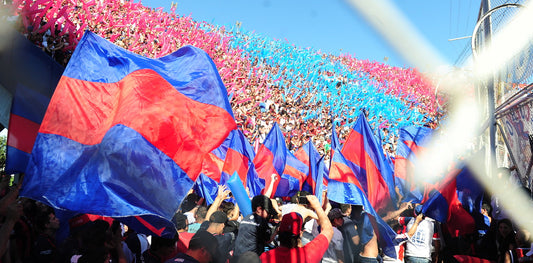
pixel 333 26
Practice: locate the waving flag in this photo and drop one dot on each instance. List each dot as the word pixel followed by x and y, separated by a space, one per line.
pixel 206 188
pixel 411 142
pixel 364 153
pixel 31 77
pixel 239 157
pixel 293 177
pixel 335 144
pixel 211 173
pixel 316 181
pixel 213 162
pixel 271 157
pixel 124 136
pixel 456 202
pixel 344 188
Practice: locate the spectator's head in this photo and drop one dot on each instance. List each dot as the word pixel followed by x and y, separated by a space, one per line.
pixel 203 247
pixel 301 197
pixel 346 209
pixel 180 220
pixel 228 208
pixel 262 206
pixel 46 221
pixel 95 234
pixel 217 221
pixel 336 217
pixel 505 228
pixel 189 202
pixel 290 230
pixel 200 214
pixel 163 247
pixel 486 209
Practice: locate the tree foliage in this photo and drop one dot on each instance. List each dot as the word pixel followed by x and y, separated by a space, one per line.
pixel 3 143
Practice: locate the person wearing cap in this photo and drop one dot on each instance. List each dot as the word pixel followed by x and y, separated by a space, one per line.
pixel 254 232
pixel 202 249
pixel 290 231
pixel 226 241
pixel 335 252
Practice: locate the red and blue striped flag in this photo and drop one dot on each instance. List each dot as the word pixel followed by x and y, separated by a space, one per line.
pixel 344 188
pixel 411 143
pixel 124 136
pixel 456 202
pixel 31 76
pixel 271 157
pixel 317 177
pixel 239 159
pixel 365 156
pixel 293 177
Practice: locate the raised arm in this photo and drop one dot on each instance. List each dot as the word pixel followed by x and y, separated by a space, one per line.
pixel 222 194
pixel 270 187
pixel 323 220
pixel 418 219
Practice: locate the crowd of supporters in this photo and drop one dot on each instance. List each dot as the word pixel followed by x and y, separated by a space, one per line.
pixel 296 229
pixel 268 81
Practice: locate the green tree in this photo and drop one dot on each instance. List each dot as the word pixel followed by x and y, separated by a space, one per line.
pixel 3 143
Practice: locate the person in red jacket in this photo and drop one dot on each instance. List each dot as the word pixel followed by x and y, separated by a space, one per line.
pixel 290 232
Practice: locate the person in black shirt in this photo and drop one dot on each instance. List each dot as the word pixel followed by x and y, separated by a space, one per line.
pixel 254 232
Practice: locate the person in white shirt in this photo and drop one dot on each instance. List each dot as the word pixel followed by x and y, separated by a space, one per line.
pixel 418 247
pixel 401 239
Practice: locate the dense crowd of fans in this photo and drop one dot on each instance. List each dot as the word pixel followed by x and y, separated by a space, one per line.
pixel 268 81
pixel 297 229
pixel 304 90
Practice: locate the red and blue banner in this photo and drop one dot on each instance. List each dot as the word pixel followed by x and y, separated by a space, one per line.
pixel 365 156
pixel 125 136
pixel 271 157
pixel 239 159
pixel 317 178
pixel 411 142
pixel 457 202
pixel 344 188
pixel 293 177
pixel 211 174
pixel 31 76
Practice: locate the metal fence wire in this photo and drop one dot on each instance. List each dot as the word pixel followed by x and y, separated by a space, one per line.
pixel 514 107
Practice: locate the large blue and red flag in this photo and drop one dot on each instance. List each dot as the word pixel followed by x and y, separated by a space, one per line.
pixel 365 156
pixel 344 188
pixel 456 202
pixel 31 76
pixel 411 143
pixel 239 159
pixel 317 177
pixel 124 136
pixel 293 177
pixel 271 157
pixel 211 173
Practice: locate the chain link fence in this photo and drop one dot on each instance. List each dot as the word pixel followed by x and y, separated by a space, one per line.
pixel 512 84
